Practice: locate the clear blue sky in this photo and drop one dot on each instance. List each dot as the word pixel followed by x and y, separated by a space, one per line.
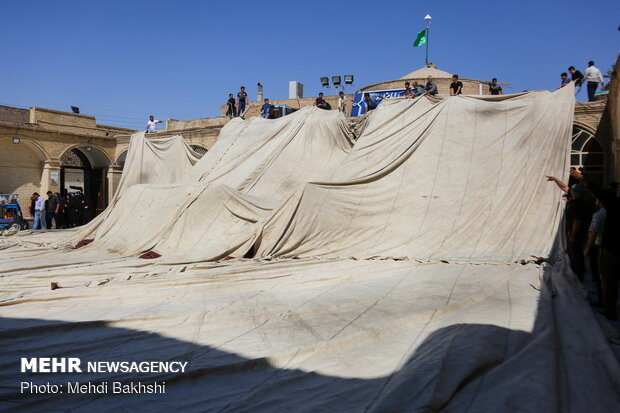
pixel 124 60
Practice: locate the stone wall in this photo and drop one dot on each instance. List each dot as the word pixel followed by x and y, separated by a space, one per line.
pixel 63 121
pixel 588 114
pixel 174 125
pixel 71 123
pixel 15 115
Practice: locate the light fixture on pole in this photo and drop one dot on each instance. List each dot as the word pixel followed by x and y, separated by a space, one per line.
pixel 337 81
pixel 428 19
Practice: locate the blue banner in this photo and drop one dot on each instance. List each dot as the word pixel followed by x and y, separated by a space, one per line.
pixel 359 106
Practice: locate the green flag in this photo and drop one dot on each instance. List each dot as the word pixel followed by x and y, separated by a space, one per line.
pixel 421 39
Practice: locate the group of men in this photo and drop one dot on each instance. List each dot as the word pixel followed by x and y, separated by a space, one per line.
pixel 342 102
pixel 593 235
pixel 430 89
pixel 415 90
pixel 236 107
pixel 68 211
pixel 593 77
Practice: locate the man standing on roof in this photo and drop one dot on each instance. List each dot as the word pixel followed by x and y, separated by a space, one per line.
pixel 593 77
pixel 151 126
pixel 577 76
pixel 565 80
pixel 242 98
pixel 342 102
pixel 431 86
pixel 231 110
pixel 456 86
pixel 495 88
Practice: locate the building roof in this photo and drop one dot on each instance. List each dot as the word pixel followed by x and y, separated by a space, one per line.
pixel 426 71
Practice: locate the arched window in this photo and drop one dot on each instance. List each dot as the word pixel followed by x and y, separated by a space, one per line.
pixel 199 149
pixel 121 159
pixel 587 153
pixel 75 159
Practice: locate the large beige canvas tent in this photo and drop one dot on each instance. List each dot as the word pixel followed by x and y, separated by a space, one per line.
pixel 421 270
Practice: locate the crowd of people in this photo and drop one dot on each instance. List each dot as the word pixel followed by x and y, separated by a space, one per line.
pixel 593 236
pixel 65 211
pixel 592 77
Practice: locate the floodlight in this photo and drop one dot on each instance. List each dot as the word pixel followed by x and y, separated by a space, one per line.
pixel 89 148
pixel 336 80
pixel 324 81
pixel 348 79
pixel 16 140
pixel 75 109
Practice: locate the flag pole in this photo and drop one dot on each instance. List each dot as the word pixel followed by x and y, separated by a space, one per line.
pixel 426 45
pixel 428 19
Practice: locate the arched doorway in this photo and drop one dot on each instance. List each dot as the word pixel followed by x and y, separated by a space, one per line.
pixel 21 168
pixel 85 169
pixel 588 153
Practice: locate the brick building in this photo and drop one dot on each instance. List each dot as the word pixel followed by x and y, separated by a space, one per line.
pixel 43 149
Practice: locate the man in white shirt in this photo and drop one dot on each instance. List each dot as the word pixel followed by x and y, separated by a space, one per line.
pixel 151 126
pixel 593 77
pixel 39 212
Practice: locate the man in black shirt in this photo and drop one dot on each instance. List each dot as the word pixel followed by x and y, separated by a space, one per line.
pixel 52 206
pixel 577 76
pixel 241 101
pixel 77 205
pixel 495 88
pixel 320 102
pixel 456 86
pixel 231 111
pixel 578 216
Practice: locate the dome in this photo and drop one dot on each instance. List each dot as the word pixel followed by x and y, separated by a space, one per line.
pixel 428 70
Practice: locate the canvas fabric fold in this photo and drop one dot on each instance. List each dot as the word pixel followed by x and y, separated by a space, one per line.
pixel 460 180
